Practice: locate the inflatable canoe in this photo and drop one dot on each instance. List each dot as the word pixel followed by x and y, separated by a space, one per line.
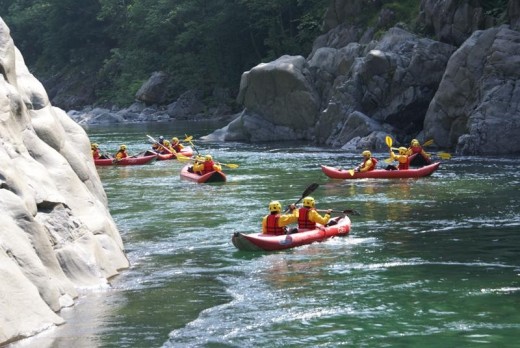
pixel 335 173
pixel 208 177
pixel 264 242
pixel 128 161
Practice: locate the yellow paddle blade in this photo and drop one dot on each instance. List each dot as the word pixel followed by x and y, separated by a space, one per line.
pixel 389 141
pixel 444 155
pixel 428 142
pixel 389 160
pixel 188 138
pixel 351 172
pixel 230 165
pixel 183 158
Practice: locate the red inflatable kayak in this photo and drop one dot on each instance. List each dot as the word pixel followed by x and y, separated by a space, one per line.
pixel 128 161
pixel 214 176
pixel 335 173
pixel 265 242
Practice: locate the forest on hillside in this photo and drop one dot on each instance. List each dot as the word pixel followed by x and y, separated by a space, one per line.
pixel 117 44
pixel 110 47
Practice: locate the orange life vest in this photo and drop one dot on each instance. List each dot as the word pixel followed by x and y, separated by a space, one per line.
pixel 373 166
pixel 208 167
pixel 303 219
pixel 272 225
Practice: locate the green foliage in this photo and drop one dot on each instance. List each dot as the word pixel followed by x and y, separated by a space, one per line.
pixel 201 44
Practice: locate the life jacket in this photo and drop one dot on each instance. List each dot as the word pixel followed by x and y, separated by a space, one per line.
pixel 96 154
pixel 303 219
pixel 178 147
pixel 208 166
pixel 416 149
pixel 373 166
pixel 121 154
pixel 404 165
pixel 272 225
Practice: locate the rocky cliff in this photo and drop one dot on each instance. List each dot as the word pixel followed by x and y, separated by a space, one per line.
pixel 56 234
pixel 457 86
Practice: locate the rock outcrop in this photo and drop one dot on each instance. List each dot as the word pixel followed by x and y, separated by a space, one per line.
pixel 476 109
pixel 353 89
pixel 56 233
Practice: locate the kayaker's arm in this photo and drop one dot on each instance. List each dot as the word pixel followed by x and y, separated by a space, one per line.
pixel 316 217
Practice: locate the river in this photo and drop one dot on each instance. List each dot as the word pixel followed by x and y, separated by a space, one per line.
pixel 430 262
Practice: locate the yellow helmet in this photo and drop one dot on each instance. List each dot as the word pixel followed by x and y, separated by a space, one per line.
pixel 308 202
pixel 275 207
pixel 402 150
pixel 94 146
pixel 166 142
pixel 122 147
pixel 175 140
pixel 414 142
pixel 208 158
pixel 366 153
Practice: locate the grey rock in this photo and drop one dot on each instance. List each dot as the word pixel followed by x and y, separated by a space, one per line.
pixel 476 108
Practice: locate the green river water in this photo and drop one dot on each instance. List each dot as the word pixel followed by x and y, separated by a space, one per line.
pixel 430 262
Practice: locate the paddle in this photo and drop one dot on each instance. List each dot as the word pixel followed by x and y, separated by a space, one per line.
pixel 310 189
pixel 188 139
pixel 158 143
pixel 346 211
pixel 444 155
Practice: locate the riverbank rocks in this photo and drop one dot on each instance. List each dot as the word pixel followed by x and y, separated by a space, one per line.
pixel 56 235
pixel 476 107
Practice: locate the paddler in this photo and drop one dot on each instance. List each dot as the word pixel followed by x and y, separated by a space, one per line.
pixel 402 159
pixel 121 153
pixel 158 147
pixel 176 144
pixel 275 223
pixel 369 163
pixel 308 217
pixel 416 148
pixel 96 154
pixel 207 166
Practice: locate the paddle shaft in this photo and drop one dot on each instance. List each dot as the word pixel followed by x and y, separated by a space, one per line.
pixel 158 143
pixel 310 189
pixel 346 211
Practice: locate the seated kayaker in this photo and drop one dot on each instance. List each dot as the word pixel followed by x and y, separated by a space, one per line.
pixel 416 148
pixel 207 166
pixel 369 163
pixel 121 153
pixel 96 154
pixel 166 148
pixel 157 147
pixel 308 217
pixel 402 159
pixel 275 223
pixel 176 145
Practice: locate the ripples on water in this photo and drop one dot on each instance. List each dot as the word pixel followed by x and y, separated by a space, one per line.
pixel 431 262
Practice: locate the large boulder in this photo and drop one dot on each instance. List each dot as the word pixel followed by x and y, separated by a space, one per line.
pixel 280 98
pixel 476 106
pixel 57 233
pixel 153 91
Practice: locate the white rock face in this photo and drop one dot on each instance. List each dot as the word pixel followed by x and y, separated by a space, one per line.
pixel 56 233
